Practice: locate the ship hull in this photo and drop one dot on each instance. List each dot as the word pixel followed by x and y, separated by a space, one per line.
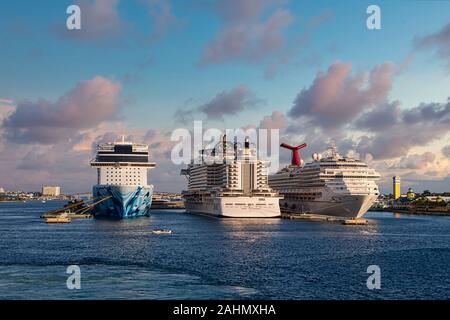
pixel 345 206
pixel 125 201
pixel 236 207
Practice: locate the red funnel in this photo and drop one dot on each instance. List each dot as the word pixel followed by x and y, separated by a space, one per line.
pixel 295 161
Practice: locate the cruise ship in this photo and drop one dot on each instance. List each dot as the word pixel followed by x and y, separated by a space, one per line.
pixel 122 176
pixel 331 185
pixel 229 181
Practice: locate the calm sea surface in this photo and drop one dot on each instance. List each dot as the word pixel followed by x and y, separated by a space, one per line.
pixel 207 258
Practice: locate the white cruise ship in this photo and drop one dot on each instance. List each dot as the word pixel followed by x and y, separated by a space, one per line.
pixel 229 181
pixel 333 185
pixel 122 176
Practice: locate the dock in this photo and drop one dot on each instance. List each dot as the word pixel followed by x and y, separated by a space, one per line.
pixel 72 210
pixel 323 218
pixel 168 205
pixel 162 202
pixel 70 215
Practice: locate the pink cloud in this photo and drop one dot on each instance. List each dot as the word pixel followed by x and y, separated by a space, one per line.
pixel 276 120
pixel 337 97
pixel 438 41
pixel 85 106
pixel 246 34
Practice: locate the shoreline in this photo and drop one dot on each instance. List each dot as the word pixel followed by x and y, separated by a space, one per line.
pixel 416 213
pixel 29 200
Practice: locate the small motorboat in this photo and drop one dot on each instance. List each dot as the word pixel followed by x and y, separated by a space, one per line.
pixel 162 231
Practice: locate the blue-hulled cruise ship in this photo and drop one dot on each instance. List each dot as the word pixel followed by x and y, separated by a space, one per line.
pixel 122 175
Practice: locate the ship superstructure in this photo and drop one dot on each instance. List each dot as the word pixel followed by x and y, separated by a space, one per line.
pixel 122 175
pixel 331 185
pixel 229 181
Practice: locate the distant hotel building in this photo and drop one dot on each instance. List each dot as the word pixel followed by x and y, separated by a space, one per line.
pixel 396 187
pixel 52 191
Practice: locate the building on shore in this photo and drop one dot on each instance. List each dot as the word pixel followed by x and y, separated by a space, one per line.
pixel 410 194
pixel 82 196
pixel 2 190
pixel 51 191
pixel 415 203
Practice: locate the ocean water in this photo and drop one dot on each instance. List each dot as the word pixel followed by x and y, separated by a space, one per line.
pixel 208 258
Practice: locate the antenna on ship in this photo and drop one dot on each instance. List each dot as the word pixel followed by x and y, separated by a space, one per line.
pixel 224 148
pixel 295 160
pixel 235 147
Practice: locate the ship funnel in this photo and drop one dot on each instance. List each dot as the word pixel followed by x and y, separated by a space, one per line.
pixel 295 160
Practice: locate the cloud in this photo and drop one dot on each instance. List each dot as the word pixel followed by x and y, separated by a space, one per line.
pixel 276 120
pixel 413 127
pixel 225 103
pixel 405 63
pixel 438 42
pixel 380 118
pixel 236 10
pixel 246 34
pixel 85 106
pixel 416 161
pixel 297 44
pixel 67 162
pixel 6 102
pixel 256 32
pixel 101 20
pixel 316 21
pixel 446 151
pixel 6 108
pixel 337 97
pixel 162 17
pixel 229 102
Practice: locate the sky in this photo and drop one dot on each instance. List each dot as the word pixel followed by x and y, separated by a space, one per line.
pixel 142 68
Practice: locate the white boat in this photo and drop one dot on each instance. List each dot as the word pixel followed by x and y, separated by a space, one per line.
pixel 162 231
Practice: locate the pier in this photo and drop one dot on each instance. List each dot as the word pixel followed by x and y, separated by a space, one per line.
pixel 323 218
pixel 73 210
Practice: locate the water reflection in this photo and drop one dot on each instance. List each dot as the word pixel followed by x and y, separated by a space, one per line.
pixel 250 229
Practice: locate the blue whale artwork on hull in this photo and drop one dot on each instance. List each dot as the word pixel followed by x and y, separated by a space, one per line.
pixel 125 201
pixel 122 168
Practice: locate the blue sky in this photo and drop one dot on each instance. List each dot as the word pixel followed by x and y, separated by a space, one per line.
pixel 160 72
pixel 174 76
